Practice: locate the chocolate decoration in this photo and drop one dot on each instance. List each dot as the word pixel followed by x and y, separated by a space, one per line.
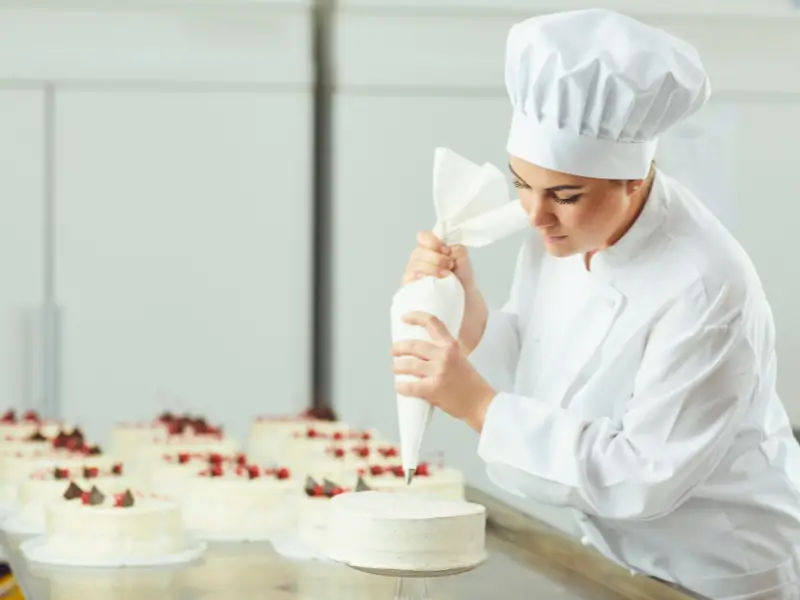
pixel 361 486
pixel 310 484
pixel 95 497
pixel 37 437
pixel 73 491
pixel 328 486
pixel 59 473
pixel 93 450
pixel 127 499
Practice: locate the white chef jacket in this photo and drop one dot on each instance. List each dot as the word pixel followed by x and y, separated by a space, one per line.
pixel 642 394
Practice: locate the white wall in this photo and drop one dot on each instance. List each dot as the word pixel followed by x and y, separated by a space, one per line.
pixel 180 146
pixel 432 76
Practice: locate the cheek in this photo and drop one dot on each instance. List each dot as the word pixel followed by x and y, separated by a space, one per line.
pixel 598 214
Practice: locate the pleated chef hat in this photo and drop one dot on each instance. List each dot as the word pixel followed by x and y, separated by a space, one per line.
pixel 592 90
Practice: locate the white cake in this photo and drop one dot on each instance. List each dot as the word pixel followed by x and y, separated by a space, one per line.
pixel 405 533
pixel 239 501
pixel 92 526
pixel 265 442
pixel 127 438
pixel 49 485
pixel 169 476
pixel 444 482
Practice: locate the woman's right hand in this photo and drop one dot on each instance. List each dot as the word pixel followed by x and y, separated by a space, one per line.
pixel 433 258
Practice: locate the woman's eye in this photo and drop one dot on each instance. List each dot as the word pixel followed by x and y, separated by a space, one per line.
pixel 570 200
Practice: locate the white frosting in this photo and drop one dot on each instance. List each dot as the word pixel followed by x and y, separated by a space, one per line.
pixel 169 477
pixel 150 455
pixel 231 506
pixel 127 439
pixel 408 532
pixel 150 528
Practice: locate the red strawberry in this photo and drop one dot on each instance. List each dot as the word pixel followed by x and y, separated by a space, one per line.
pixel 30 416
pixel 61 473
pixel 338 435
pixel 376 470
pixel 283 473
pixel 9 417
pixel 422 469
pixel 366 436
pixel 118 499
pixel 312 433
pixel 338 452
pixel 398 471
pixel 85 497
pixel 183 458
pixel 361 472
pixel 216 471
pixel 90 472
pixel 336 491
pixel 117 469
pixel 253 471
pixel 215 459
pixel 388 452
pixel 362 451
pixel 241 459
pixel 317 491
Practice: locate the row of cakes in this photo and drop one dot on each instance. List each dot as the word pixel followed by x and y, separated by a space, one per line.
pixel 190 477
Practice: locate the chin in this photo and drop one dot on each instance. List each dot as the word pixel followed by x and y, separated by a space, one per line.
pixel 559 250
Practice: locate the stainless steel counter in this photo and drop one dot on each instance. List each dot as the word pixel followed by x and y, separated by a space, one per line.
pixel 526 560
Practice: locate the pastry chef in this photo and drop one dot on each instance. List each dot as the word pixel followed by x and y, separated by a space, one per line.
pixel 631 374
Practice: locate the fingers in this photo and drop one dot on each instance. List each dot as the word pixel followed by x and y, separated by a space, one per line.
pixel 415 389
pixel 435 327
pixel 408 365
pixel 416 348
pixel 428 240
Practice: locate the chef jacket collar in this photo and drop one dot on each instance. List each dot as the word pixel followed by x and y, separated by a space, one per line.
pixel 607 264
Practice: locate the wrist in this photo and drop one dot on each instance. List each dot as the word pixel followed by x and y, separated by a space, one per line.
pixel 481 407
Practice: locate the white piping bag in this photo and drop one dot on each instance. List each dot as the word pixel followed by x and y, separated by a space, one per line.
pixel 473 208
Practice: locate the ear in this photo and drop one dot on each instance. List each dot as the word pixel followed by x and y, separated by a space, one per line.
pixel 634 185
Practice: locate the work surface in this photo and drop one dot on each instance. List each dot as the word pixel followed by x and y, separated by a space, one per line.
pixel 527 560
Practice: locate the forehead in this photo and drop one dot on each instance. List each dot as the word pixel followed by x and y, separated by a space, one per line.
pixel 540 178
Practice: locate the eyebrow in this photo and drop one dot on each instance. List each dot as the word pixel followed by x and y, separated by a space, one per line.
pixel 555 188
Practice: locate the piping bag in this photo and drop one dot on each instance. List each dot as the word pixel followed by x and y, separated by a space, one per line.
pixel 473 208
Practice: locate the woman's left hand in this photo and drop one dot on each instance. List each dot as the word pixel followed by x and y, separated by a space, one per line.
pixel 446 378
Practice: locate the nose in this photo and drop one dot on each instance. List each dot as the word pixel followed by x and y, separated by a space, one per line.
pixel 539 212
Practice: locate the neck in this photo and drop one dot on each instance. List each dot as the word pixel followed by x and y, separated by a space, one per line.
pixel 638 201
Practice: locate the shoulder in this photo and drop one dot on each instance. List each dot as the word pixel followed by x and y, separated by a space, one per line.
pixel 719 277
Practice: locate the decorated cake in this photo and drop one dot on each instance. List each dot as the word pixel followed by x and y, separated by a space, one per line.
pixel 68 450
pixel 15 427
pixel 408 533
pixel 49 485
pixel 91 524
pixel 265 442
pixel 305 449
pixel 234 500
pixel 444 482
pixel 168 476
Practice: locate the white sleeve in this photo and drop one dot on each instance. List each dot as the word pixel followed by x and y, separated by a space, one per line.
pixel 497 354
pixel 696 380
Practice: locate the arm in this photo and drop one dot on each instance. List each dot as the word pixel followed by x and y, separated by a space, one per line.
pixel 496 355
pixel 695 383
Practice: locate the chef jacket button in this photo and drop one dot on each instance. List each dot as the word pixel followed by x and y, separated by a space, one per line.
pixel 586 541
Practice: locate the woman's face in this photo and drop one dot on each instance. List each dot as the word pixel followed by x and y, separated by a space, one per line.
pixel 574 214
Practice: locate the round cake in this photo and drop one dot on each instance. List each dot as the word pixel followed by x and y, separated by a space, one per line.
pixel 239 501
pixel 268 436
pixel 92 525
pixel 406 534
pixel 444 482
pixel 49 485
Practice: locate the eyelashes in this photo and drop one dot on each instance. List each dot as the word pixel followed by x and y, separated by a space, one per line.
pixel 571 200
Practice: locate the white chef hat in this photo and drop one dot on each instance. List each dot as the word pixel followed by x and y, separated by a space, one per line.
pixel 592 90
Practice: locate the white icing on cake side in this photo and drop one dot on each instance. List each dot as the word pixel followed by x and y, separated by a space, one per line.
pixel 405 532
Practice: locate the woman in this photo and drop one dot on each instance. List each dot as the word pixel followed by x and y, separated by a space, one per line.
pixel 631 375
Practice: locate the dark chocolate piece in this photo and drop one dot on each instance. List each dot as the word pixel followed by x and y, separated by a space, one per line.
pixel 310 485
pixel 328 486
pixel 93 450
pixel 59 473
pixel 96 497
pixel 362 486
pixel 37 437
pixel 73 491
pixel 127 499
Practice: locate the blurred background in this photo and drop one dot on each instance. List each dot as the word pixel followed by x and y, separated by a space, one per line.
pixel 208 204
